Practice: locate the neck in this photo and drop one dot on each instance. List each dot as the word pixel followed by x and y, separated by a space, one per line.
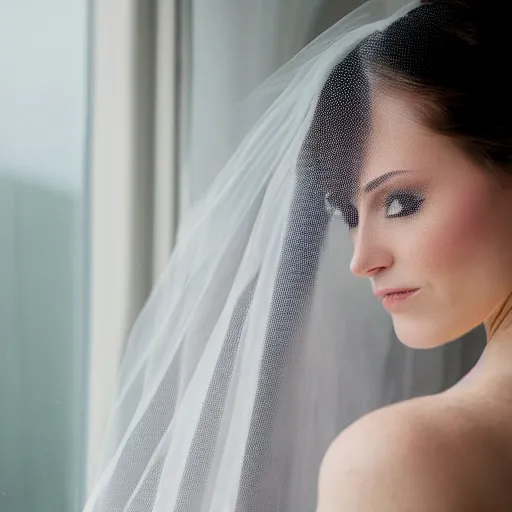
pixel 493 371
pixel 496 359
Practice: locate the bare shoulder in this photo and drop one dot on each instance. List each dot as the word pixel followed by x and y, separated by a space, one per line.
pixel 411 456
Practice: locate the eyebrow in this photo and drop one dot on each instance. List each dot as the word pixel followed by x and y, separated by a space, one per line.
pixel 377 182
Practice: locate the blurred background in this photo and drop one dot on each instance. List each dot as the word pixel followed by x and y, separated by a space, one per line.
pixel 115 117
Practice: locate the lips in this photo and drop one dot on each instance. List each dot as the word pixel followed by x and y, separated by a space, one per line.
pixel 398 295
pixel 398 292
pixel 397 302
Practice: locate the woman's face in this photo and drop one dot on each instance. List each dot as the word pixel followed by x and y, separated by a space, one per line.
pixel 444 225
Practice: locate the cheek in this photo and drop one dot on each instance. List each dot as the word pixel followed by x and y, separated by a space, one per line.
pixel 451 255
pixel 455 233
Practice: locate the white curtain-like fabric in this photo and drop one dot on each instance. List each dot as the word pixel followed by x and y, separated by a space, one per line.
pixel 231 47
pixel 258 346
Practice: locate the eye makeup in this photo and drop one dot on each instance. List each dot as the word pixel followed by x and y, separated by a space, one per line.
pixel 394 202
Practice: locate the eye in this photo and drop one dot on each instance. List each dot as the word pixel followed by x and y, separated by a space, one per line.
pixel 341 207
pixel 402 204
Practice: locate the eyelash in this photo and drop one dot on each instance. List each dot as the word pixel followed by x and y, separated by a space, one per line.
pixel 412 203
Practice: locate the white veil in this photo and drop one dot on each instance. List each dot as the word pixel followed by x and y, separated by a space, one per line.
pixel 258 346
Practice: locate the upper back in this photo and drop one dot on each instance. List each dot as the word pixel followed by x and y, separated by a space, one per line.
pixel 444 449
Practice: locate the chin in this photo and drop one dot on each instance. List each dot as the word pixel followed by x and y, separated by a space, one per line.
pixel 420 335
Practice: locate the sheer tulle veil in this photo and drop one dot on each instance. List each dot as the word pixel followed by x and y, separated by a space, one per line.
pixel 258 346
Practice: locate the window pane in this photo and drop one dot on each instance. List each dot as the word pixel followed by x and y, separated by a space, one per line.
pixel 43 269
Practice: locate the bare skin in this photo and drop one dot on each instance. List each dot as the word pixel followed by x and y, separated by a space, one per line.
pixel 441 453
pixel 451 451
pixel 447 452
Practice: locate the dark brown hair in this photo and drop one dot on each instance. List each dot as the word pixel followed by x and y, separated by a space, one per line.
pixel 453 55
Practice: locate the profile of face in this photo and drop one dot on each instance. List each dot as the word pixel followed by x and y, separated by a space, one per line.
pixel 442 224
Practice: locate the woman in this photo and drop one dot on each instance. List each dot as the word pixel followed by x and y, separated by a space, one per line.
pixel 258 348
pixel 436 224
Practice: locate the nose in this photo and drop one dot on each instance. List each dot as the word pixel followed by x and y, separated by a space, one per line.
pixel 371 253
